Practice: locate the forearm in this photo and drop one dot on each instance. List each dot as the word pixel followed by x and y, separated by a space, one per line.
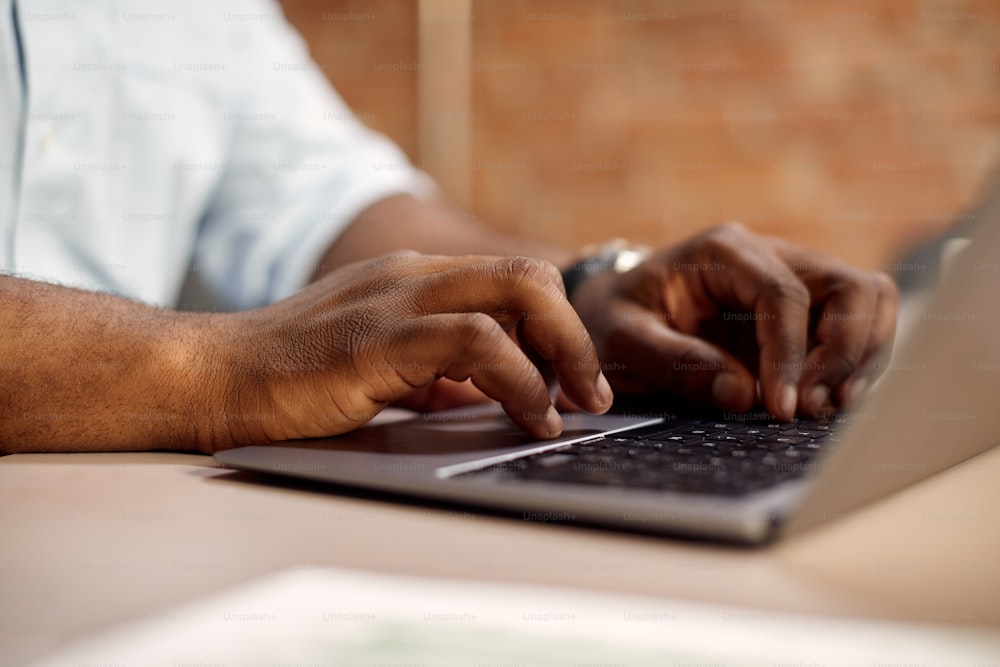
pixel 431 227
pixel 81 371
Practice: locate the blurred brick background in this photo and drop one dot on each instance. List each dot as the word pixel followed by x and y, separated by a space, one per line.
pixel 850 126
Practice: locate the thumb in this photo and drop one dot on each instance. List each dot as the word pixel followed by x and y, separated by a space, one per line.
pixel 659 358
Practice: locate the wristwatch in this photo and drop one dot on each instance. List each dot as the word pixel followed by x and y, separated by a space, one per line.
pixel 617 256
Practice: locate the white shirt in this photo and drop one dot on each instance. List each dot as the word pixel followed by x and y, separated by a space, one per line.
pixel 147 136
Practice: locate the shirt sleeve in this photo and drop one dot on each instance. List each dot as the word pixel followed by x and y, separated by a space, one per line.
pixel 301 167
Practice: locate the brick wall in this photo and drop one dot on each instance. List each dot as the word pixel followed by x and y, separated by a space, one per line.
pixel 850 126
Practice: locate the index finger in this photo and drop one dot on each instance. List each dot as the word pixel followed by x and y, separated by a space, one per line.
pixel 755 279
pixel 522 290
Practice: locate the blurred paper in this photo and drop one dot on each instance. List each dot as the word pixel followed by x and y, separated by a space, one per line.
pixel 327 617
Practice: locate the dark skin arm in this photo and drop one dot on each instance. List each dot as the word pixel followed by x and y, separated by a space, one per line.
pixel 92 372
pixel 83 371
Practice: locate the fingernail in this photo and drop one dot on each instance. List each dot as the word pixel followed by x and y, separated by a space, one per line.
pixel 553 422
pixel 787 398
pixel 857 391
pixel 816 398
pixel 604 393
pixel 727 389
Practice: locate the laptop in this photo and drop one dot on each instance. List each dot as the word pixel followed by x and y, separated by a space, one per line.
pixel 739 478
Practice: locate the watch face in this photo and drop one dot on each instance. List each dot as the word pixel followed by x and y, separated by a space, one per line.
pixel 629 258
pixel 616 255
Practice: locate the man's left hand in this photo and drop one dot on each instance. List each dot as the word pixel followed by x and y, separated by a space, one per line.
pixel 711 318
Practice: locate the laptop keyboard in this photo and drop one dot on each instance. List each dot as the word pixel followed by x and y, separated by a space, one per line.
pixel 698 456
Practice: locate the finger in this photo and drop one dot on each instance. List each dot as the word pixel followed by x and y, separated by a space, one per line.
pixel 755 279
pixel 460 346
pixel 841 338
pixel 563 404
pixel 856 320
pixel 659 358
pixel 880 341
pixel 528 293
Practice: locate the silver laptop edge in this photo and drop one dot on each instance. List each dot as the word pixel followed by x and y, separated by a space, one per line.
pixel 936 404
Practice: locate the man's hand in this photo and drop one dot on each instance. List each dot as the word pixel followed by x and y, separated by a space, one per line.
pixel 329 358
pixel 711 317
pixel 118 375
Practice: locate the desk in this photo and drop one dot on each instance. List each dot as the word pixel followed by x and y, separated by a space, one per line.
pixel 91 540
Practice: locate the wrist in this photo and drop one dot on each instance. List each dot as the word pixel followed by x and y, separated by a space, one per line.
pixel 204 371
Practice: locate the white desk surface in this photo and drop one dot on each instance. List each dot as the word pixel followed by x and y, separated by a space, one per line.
pixel 91 540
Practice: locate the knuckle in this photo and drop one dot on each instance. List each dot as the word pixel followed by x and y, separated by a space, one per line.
pixel 551 271
pixel 786 290
pixel 530 274
pixel 847 278
pixel 404 254
pixel 477 330
pixel 388 272
pixel 730 230
pixel 396 259
pixel 848 287
pixel 723 238
pixel 885 286
pixel 733 227
pixel 519 269
pixel 844 365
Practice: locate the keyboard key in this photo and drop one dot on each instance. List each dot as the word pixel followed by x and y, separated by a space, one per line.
pixel 722 426
pixel 805 432
pixel 644 431
pixel 749 430
pixel 821 426
pixel 783 440
pixel 677 437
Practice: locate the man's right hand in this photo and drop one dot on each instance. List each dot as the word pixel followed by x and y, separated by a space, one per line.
pixel 329 358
